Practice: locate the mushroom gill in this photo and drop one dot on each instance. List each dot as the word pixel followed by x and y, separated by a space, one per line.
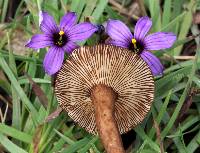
pixel 125 72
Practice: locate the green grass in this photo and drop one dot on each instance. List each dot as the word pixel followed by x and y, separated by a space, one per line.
pixel 28 132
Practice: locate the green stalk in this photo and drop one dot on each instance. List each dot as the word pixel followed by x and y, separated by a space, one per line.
pixel 4 11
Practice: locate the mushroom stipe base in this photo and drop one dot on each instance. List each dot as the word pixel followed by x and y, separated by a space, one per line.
pixel 103 98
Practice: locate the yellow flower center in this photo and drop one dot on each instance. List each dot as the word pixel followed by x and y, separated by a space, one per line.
pixel 134 43
pixel 61 33
pixel 60 39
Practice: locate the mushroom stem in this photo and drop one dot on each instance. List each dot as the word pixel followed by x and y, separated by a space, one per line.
pixel 103 98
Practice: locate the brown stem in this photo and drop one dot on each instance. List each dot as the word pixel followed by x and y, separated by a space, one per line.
pixel 103 98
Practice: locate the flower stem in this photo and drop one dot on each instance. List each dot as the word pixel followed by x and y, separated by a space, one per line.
pixel 104 98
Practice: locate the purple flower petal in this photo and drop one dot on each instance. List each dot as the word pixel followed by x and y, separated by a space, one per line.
pixel 67 21
pixel 40 41
pixel 48 25
pixel 70 46
pixel 81 31
pixel 118 43
pixel 153 62
pixel 118 31
pixel 53 60
pixel 142 27
pixel 159 40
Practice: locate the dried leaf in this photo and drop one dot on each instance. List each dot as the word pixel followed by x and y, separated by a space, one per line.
pixel 186 105
pixel 158 135
pixel 36 138
pixel 38 92
pixel 53 115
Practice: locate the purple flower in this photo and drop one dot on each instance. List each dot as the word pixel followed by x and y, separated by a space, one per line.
pixel 139 42
pixel 60 38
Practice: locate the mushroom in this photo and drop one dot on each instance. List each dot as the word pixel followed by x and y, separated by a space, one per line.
pixel 107 90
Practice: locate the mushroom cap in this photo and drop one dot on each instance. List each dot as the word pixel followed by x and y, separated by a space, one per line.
pixel 119 68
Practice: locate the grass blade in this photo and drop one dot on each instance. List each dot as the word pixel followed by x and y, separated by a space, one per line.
pixel 166 13
pixel 4 11
pixel 185 25
pixel 15 133
pixel 17 87
pixel 11 147
pixel 181 101
pixel 99 9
